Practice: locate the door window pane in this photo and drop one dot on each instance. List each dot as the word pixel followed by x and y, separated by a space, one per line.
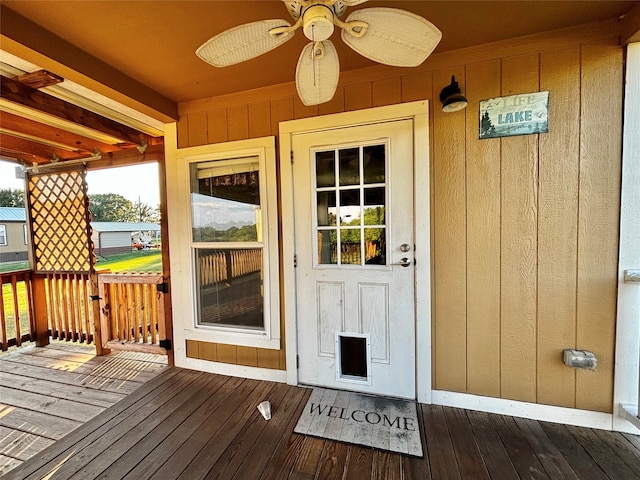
pixel 325 169
pixel 350 248
pixel 374 164
pixel 326 208
pixel 374 206
pixel 349 164
pixel 375 246
pixel 327 247
pixel 350 207
pixel 356 202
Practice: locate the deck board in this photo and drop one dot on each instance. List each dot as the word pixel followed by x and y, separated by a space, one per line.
pixel 193 425
pixel 47 393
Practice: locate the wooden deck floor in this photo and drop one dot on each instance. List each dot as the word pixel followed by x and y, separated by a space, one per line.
pixel 189 425
pixel 45 393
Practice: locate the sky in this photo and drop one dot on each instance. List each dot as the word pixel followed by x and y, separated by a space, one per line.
pixel 131 182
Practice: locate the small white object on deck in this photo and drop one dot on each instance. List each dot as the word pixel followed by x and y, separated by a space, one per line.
pixel 265 409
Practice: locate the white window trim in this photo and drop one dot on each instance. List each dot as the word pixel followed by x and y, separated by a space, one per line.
pixel 3 237
pixel 183 285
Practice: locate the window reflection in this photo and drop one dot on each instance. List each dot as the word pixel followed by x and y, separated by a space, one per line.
pixel 230 287
pixel 226 208
pixel 351 216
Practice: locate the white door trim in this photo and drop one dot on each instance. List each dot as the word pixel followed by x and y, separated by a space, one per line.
pixel 419 113
pixel 626 389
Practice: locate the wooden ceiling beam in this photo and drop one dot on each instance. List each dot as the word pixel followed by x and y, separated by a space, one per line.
pixel 55 135
pixel 20 94
pixel 153 153
pixel 30 151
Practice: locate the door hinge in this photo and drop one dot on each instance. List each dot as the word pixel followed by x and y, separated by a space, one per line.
pixel 292 157
pixel 297 361
pixel 295 260
pixel 166 343
pixel 162 287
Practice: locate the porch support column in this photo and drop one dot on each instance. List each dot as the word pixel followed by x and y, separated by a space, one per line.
pixel 627 365
pixel 39 298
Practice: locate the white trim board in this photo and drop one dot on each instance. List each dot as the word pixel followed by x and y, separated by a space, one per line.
pixel 627 360
pixel 533 411
pixel 254 373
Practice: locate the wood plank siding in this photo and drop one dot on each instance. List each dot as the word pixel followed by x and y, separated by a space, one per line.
pixel 524 229
pixel 191 425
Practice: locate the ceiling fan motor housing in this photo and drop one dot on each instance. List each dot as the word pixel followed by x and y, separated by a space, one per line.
pixel 317 22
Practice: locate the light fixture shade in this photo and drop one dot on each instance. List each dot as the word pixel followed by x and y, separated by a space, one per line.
pixel 317 73
pixel 393 37
pixel 242 43
pixel 452 98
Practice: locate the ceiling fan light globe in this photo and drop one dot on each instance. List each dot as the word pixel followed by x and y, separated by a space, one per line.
pixel 318 23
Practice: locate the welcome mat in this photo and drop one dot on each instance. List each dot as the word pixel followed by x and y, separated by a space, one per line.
pixel 377 422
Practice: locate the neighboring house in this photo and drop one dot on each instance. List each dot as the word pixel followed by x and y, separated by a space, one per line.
pixel 110 238
pixel 477 261
pixel 14 242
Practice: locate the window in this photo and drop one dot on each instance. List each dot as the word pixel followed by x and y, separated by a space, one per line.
pixel 350 204
pixel 24 233
pixel 3 234
pixel 234 249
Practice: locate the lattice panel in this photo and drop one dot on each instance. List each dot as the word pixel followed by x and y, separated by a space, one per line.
pixel 60 222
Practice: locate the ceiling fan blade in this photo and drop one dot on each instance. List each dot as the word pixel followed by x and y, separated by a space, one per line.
pixel 351 3
pixel 243 43
pixel 317 73
pixel 393 37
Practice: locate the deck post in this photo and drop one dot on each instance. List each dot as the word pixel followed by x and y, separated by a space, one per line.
pixel 41 322
pixel 95 310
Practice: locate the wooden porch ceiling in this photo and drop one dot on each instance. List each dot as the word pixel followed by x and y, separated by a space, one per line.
pixel 126 60
pixel 38 128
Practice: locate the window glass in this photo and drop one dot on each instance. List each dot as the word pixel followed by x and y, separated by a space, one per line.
pixel 351 216
pixel 3 235
pixel 227 221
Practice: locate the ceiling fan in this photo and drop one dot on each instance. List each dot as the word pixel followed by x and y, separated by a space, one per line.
pixel 384 35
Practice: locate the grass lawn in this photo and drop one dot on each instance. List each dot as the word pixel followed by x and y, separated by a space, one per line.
pixel 138 261
pixel 7 298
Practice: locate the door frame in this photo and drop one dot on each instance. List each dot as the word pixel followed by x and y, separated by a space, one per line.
pixel 418 112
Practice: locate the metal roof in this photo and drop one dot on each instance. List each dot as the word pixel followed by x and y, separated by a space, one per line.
pixel 124 227
pixel 12 214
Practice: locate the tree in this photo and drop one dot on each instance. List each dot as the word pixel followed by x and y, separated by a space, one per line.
pixel 11 197
pixel 111 207
pixel 486 126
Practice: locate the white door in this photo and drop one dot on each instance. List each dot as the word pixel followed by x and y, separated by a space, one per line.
pixel 354 246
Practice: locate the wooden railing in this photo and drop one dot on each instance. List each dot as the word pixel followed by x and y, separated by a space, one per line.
pixel 64 306
pixel 16 309
pixel 132 311
pixel 69 306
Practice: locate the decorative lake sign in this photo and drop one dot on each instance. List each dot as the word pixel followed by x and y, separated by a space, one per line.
pixel 514 115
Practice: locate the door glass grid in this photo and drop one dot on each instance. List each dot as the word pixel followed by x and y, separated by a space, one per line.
pixel 350 196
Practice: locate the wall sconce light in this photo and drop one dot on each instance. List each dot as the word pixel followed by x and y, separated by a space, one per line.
pixel 452 98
